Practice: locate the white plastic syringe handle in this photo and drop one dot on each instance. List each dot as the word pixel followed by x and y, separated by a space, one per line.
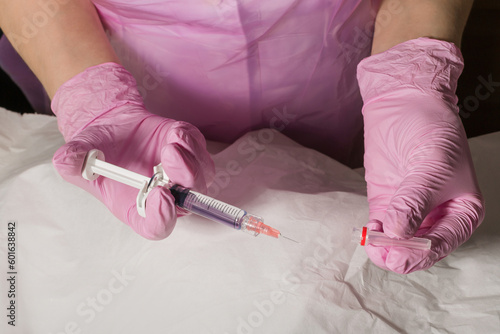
pixel 95 166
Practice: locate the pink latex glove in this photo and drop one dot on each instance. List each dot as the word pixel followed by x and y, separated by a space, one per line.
pixel 420 176
pixel 101 108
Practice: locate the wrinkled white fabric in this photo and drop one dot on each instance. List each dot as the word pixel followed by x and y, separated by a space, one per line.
pixel 81 270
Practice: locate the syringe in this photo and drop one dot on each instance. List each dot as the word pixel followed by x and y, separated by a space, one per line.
pixel 187 199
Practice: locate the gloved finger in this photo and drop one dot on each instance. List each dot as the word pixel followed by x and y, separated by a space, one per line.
pixel 407 209
pixel 448 226
pixel 461 217
pixel 185 169
pixel 160 215
pixel 185 158
pixel 375 225
pixel 421 189
pixel 400 260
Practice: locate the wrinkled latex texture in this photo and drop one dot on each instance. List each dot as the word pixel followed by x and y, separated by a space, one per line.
pixel 420 176
pixel 102 109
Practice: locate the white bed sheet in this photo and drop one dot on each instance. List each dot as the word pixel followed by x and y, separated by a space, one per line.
pixel 80 270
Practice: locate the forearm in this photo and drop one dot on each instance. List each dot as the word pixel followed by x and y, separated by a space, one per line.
pixel 401 20
pixel 56 43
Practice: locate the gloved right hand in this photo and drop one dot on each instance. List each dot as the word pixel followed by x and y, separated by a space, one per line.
pixel 419 170
pixel 101 108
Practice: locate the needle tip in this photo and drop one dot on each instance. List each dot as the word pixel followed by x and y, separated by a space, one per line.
pixel 281 235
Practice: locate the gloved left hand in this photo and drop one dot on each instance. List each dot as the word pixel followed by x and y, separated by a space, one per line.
pixel 419 171
pixel 101 108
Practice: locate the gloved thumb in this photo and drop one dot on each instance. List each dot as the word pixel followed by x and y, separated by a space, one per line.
pixel 409 206
pixel 160 215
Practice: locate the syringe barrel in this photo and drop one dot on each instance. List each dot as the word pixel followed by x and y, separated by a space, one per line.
pixel 208 207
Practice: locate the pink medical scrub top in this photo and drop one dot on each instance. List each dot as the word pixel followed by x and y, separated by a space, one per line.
pixel 232 66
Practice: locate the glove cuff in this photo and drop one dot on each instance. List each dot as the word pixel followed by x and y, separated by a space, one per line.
pixel 427 65
pixel 91 94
